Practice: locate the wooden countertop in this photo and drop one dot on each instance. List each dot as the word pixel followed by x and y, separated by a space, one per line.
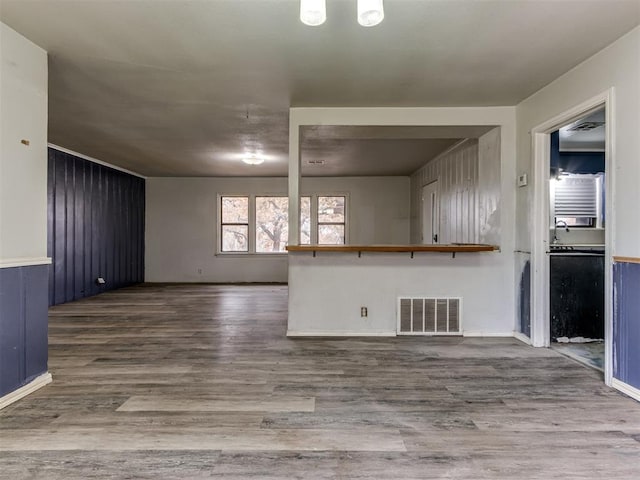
pixel 452 248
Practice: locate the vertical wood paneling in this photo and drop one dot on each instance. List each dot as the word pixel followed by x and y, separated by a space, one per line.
pixel 51 220
pixel 489 187
pixel 457 175
pixel 23 325
pixel 96 227
pixel 626 323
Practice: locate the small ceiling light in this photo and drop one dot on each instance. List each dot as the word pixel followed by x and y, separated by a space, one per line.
pixel 253 160
pixel 313 12
pixel 370 12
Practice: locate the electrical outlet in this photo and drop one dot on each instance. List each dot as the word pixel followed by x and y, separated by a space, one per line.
pixel 199 271
pixel 363 311
pixel 100 281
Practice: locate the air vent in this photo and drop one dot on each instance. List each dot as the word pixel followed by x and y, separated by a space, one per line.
pixel 429 316
pixel 585 126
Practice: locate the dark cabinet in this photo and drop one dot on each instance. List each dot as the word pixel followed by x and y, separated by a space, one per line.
pixel 577 296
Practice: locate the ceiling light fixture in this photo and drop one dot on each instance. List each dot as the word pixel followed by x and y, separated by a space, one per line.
pixel 370 12
pixel 253 160
pixel 313 12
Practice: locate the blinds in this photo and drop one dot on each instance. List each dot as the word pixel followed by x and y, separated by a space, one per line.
pixel 577 196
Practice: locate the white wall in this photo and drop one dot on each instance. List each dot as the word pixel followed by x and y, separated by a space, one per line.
pixel 23 169
pixel 456 172
pixel 616 66
pixel 181 224
pixel 469 190
pixel 326 292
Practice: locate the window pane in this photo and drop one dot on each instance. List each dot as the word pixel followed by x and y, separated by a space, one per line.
pixel 272 224
pixel 331 209
pixel 305 221
pixel 235 209
pixel 235 238
pixel 331 234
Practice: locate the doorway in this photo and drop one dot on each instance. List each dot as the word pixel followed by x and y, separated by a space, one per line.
pixel 577 226
pixel 543 230
pixel 430 213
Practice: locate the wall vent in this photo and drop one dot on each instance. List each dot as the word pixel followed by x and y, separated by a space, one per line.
pixel 429 316
pixel 585 126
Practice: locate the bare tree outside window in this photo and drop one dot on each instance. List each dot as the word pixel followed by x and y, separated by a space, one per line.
pixel 235 224
pixel 331 220
pixel 260 224
pixel 272 224
pixel 305 220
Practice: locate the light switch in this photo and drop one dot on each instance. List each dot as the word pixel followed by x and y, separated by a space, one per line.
pixel 522 180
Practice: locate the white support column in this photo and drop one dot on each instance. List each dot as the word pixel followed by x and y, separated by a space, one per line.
pixel 294 181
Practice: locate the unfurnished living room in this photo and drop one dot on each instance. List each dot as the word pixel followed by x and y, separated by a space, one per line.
pixel 337 239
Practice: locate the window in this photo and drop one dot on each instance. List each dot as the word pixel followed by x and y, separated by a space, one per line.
pixel 331 220
pixel 577 200
pixel 260 223
pixel 305 220
pixel 235 224
pixel 272 224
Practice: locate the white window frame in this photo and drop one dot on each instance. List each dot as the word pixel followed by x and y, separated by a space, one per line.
pixel 315 221
pixel 252 220
pixel 220 224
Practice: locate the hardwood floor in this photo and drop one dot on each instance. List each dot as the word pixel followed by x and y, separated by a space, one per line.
pixel 190 382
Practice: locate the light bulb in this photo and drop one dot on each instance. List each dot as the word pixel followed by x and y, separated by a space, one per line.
pixel 253 160
pixel 313 12
pixel 370 12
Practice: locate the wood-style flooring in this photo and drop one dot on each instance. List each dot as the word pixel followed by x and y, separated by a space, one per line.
pixel 199 381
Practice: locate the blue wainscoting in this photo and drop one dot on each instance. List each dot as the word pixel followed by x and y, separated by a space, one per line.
pixel 524 300
pixel 626 324
pixel 95 227
pixel 23 325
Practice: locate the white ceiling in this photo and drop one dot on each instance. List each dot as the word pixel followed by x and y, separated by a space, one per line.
pixel 185 87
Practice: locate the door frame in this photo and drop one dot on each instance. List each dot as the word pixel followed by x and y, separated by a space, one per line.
pixel 435 211
pixel 541 152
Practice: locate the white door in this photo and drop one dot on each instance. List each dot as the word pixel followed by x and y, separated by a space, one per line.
pixel 430 213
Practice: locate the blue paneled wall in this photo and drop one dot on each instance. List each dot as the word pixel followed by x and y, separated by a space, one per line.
pixel 626 323
pixel 23 325
pixel 95 227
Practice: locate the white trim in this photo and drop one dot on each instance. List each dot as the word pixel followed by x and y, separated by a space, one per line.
pixel 522 337
pixel 24 262
pixel 540 321
pixel 625 388
pixel 94 160
pixel 25 390
pixel 487 334
pixel 333 333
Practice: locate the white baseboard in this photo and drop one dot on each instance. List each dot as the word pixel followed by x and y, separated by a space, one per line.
pixel 24 262
pixel 522 337
pixel 294 333
pixel 25 390
pixel 627 389
pixel 487 334
pixel 333 333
